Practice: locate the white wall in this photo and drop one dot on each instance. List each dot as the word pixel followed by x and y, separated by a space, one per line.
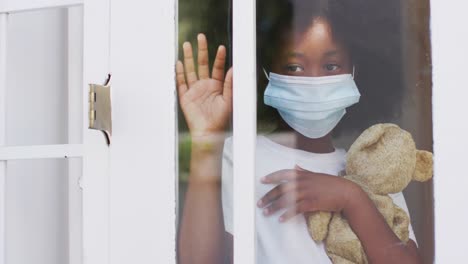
pixel 36 191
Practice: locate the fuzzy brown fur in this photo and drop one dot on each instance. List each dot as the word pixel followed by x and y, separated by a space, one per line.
pixel 383 160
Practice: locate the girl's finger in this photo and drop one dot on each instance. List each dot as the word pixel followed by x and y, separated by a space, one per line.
pixel 289 199
pixel 227 91
pixel 299 208
pixel 281 176
pixel 203 58
pixel 189 64
pixel 180 76
pixel 277 192
pixel 219 63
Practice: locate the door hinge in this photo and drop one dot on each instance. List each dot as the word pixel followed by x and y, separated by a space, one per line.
pixel 100 110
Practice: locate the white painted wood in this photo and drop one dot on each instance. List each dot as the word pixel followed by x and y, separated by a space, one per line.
pixel 143 161
pixel 3 52
pixel 75 133
pixel 244 53
pixel 36 193
pixel 450 93
pixel 95 182
pixel 75 75
pixel 97 158
pixel 41 152
pixel 11 6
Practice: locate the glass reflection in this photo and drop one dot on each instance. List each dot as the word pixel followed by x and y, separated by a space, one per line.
pixel 327 70
pixel 205 100
pixel 312 56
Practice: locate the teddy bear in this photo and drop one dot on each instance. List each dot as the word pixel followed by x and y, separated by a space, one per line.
pixel 383 160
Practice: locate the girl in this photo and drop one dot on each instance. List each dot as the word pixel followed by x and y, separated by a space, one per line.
pixel 311 54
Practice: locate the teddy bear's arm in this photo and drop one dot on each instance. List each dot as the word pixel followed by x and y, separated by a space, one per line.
pixel 317 224
pixel 401 224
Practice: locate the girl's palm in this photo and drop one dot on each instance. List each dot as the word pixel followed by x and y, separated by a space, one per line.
pixel 206 101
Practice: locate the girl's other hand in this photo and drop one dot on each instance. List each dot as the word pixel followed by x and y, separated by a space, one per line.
pixel 300 191
pixel 206 100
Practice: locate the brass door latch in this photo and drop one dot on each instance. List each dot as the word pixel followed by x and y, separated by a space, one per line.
pixel 100 110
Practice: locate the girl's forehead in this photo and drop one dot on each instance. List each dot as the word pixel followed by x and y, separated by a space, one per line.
pixel 318 34
pixel 318 28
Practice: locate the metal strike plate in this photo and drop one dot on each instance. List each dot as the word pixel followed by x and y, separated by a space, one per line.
pixel 100 111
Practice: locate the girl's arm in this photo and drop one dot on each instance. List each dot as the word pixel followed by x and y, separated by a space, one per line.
pixel 379 241
pixel 206 100
pixel 300 191
pixel 202 235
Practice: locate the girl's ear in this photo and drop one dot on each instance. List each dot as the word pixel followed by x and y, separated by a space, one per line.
pixel 424 166
pixel 369 137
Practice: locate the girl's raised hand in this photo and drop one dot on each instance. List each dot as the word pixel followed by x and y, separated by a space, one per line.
pixel 205 99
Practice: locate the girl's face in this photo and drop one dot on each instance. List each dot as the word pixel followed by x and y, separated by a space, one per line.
pixel 313 52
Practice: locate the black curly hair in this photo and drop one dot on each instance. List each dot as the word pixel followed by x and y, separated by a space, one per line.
pixel 372 32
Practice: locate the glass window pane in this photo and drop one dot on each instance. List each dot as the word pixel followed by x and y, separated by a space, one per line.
pixel 205 142
pixel 323 78
pixel 43 210
pixel 334 69
pixel 41 75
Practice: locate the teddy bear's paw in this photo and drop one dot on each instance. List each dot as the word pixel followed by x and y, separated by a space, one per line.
pixel 400 224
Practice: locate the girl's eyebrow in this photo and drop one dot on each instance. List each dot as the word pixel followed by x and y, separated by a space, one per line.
pixel 331 53
pixel 296 54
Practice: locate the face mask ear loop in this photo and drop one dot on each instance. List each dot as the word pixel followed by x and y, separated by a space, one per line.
pixel 266 74
pixel 354 70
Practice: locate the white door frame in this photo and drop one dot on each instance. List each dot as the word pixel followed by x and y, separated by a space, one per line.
pixel 143 154
pixel 140 67
pixel 11 6
pixel 89 228
pixel 450 93
pixel 96 159
pixel 245 128
pixel 75 121
pixel 3 53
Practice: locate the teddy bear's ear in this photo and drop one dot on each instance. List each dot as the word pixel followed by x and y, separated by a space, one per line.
pixel 369 137
pixel 424 166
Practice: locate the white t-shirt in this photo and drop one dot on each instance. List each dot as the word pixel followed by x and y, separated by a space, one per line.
pixel 287 242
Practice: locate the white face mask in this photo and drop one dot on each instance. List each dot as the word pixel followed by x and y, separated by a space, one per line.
pixel 312 106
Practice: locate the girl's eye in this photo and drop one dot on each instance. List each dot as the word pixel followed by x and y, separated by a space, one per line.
pixel 294 68
pixel 332 67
